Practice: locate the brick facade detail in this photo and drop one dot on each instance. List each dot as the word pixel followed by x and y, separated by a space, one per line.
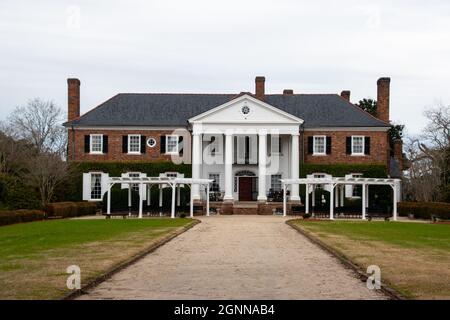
pixel 76 151
pixel 379 148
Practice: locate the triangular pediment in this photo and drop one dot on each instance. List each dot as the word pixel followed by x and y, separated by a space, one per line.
pixel 245 109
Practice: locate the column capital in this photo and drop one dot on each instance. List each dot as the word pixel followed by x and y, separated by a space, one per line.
pixel 295 133
pixel 262 132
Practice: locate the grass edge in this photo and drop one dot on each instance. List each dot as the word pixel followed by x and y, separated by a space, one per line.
pixel 138 256
pixel 347 262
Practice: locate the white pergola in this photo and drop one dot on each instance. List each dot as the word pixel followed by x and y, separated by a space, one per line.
pixel 336 181
pixel 149 181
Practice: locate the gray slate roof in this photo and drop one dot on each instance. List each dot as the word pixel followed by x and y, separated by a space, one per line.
pixel 156 109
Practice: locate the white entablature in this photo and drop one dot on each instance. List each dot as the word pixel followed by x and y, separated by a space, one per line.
pixel 245 115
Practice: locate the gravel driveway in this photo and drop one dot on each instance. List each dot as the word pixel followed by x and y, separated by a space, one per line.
pixel 236 257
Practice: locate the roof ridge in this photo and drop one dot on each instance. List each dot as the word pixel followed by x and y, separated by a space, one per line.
pixel 365 112
pixel 302 94
pixel 95 108
pixel 177 93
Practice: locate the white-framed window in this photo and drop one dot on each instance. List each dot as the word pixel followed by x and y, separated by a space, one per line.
pixel 319 145
pixel 134 186
pixel 172 144
pixel 171 174
pixel 134 143
pixel 275 182
pixel 215 185
pixel 358 145
pixel 357 189
pixel 319 176
pixel 96 186
pixel 96 143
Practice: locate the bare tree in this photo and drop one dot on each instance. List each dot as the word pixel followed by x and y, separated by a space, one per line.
pixel 14 155
pixel 429 154
pixel 40 123
pixel 46 172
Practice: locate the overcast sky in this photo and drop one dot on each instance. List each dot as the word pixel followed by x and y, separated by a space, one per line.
pixel 211 46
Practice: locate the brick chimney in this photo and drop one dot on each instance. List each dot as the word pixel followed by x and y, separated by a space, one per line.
pixel 288 91
pixel 259 87
pixel 73 98
pixel 383 93
pixel 398 152
pixel 346 95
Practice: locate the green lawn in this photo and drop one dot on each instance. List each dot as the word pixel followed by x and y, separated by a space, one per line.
pixel 414 257
pixel 408 235
pixel 34 256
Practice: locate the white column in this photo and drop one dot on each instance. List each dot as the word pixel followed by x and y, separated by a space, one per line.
pixel 367 196
pixel 228 167
pixel 149 194
pixel 394 209
pixel 313 198
pixel 336 193
pixel 306 198
pixel 284 200
pixel 295 163
pixel 196 161
pixel 342 194
pixel 178 196
pixel 129 199
pixel 332 202
pixel 141 200
pixel 108 200
pixel 172 211
pixel 191 204
pixel 363 202
pixel 262 169
pixel 160 199
pixel 207 200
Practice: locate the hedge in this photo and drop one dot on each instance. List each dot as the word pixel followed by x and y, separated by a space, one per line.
pixel 424 210
pixel 15 194
pixel 17 216
pixel 115 169
pixel 340 170
pixel 71 209
pixel 119 199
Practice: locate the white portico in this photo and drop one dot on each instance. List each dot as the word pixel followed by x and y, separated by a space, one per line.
pixel 247 146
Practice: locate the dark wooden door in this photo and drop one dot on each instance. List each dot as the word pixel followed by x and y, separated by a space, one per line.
pixel 245 188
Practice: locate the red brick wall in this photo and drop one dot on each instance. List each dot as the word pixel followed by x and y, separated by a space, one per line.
pixel 115 146
pixel 378 148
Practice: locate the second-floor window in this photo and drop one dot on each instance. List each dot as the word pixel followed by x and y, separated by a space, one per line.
pixel 357 145
pixel 319 146
pixel 96 143
pixel 172 144
pixel 134 143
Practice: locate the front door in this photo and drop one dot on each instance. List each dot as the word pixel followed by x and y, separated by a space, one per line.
pixel 245 188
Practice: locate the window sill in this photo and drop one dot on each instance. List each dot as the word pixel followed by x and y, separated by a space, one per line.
pixel 95 200
pixel 95 152
pixel 134 153
pixel 357 154
pixel 172 153
pixel 319 154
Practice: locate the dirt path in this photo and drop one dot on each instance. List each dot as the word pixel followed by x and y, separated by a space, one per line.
pixel 236 257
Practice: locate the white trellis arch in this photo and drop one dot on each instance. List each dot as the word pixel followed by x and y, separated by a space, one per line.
pixel 172 182
pixel 337 181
